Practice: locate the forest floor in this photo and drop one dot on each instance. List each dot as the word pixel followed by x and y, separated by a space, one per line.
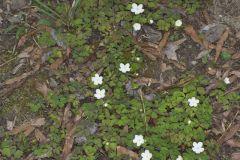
pixel 39 81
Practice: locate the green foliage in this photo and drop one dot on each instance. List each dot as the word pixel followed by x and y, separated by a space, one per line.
pixel 226 56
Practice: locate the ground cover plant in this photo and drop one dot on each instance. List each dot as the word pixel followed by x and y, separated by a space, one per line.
pixel 96 98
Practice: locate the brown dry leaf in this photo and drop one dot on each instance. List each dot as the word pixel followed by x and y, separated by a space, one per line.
pixel 229 133
pixel 235 156
pixel 220 44
pixel 163 42
pixel 58 62
pixel 16 80
pixel 146 81
pixel 124 151
pixel 29 130
pixel 236 73
pixel 40 136
pixel 28 127
pixel 66 115
pixel 233 143
pixel 42 88
pixel 70 136
pixel 236 56
pixel 164 67
pixel 25 52
pixel 20 128
pixel 193 34
pixel 37 122
pixel 170 49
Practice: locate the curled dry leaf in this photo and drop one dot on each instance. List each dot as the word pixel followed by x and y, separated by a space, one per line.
pixel 124 151
pixel 236 73
pixel 66 115
pixel 229 133
pixel 233 143
pixel 28 127
pixel 70 136
pixel 42 88
pixel 40 136
pixel 59 61
pixel 235 156
pixel 193 34
pixel 26 52
pixel 220 44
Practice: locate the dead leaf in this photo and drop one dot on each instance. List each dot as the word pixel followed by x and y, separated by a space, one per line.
pixel 170 49
pixel 220 44
pixel 163 42
pixel 233 143
pixel 66 115
pixel 29 130
pixel 193 34
pixel 40 136
pixel 164 67
pixel 25 52
pixel 124 151
pixel 10 125
pixel 236 73
pixel 28 127
pixel 229 133
pixel 203 53
pixel 37 122
pixel 235 156
pixel 236 56
pixel 146 81
pixel 42 88
pixel 59 61
pixel 70 136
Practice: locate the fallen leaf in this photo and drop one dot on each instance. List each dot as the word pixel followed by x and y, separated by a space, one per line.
pixel 10 125
pixel 236 56
pixel 228 134
pixel 220 44
pixel 193 34
pixel 124 151
pixel 163 42
pixel 40 136
pixel 25 52
pixel 38 122
pixel 233 143
pixel 203 53
pixel 170 49
pixel 70 136
pixel 29 130
pixel 28 127
pixel 236 73
pixel 146 81
pixel 59 61
pixel 235 156
pixel 66 115
pixel 42 88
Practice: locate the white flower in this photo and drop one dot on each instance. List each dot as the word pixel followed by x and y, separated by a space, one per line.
pixel 136 26
pixel 137 9
pixel 189 121
pixel 226 80
pixel 193 102
pixel 99 93
pixel 179 158
pixel 124 67
pixel 138 139
pixel 137 58
pixel 97 79
pixel 178 23
pixel 151 21
pixel 197 147
pixel 105 104
pixel 146 155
